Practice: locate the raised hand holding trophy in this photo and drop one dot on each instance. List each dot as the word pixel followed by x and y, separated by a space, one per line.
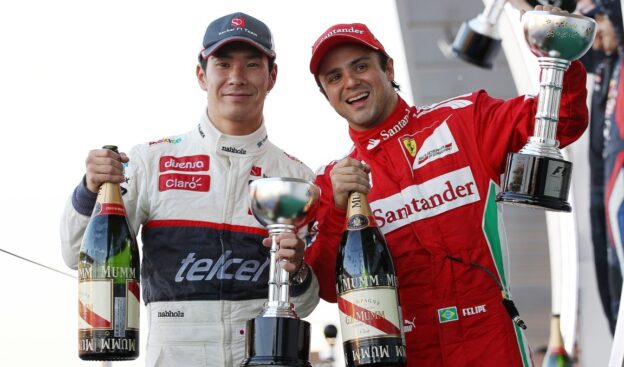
pixel 538 176
pixel 277 337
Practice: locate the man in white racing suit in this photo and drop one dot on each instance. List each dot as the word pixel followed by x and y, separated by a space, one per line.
pixel 204 269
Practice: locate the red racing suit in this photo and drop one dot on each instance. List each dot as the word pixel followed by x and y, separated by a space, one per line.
pixel 435 172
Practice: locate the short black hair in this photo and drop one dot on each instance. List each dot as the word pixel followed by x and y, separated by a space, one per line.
pixel 383 62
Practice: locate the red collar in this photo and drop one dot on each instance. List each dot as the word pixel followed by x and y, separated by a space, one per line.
pixel 394 124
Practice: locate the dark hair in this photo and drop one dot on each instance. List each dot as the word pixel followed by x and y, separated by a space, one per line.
pixel 383 63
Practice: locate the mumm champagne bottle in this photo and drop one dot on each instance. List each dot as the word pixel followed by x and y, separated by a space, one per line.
pixel 556 355
pixel 108 287
pixel 366 282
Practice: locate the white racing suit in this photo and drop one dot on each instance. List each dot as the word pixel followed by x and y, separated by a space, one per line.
pixel 204 271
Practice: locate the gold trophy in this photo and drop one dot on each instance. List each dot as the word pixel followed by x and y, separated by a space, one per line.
pixel 538 176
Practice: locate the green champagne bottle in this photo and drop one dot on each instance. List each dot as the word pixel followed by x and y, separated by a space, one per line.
pixel 108 285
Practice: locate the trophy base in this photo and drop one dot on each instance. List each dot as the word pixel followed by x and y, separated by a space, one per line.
pixel 474 47
pixel 536 182
pixel 277 341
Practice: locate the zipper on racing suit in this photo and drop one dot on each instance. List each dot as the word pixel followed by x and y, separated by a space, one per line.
pixel 231 189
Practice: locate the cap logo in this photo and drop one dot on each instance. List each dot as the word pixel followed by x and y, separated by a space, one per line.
pixel 340 30
pixel 238 22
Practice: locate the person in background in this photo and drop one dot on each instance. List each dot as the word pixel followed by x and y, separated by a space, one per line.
pixel 203 258
pixel 612 34
pixel 434 173
pixel 601 61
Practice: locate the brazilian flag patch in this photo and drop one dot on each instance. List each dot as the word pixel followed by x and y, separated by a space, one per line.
pixel 448 314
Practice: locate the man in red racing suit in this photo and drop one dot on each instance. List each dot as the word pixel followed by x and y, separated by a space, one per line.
pixel 435 172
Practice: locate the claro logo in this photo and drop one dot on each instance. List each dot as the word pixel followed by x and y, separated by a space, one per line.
pixel 178 181
pixel 192 163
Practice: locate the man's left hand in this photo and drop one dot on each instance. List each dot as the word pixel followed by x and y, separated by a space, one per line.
pixel 291 250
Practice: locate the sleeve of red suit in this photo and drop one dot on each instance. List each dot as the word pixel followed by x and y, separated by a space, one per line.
pixel 503 126
pixel 327 232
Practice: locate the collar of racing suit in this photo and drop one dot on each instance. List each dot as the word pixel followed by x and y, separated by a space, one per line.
pixel 233 145
pixel 372 139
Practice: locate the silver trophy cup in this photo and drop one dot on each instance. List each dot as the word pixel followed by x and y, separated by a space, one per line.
pixel 538 176
pixel 277 337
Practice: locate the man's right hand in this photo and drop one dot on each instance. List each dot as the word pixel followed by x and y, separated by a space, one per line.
pixel 349 175
pixel 104 165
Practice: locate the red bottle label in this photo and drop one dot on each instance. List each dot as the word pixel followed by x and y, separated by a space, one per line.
pixel 366 313
pixel 112 209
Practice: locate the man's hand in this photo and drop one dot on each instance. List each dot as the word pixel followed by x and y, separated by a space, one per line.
pixel 291 250
pixel 349 175
pixel 104 165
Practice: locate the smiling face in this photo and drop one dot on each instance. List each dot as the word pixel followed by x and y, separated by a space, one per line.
pixel 236 80
pixel 356 85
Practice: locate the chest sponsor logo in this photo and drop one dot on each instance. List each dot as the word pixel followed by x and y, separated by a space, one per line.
pixel 126 182
pixel 162 314
pixel 256 171
pixel 447 314
pixel 262 141
pixel 293 158
pixel 173 140
pixel 436 196
pixel 372 143
pixel 192 163
pixel 178 181
pixel 225 267
pixel 388 133
pixel 439 144
pixel 410 145
pixel 234 150
pixel 409 325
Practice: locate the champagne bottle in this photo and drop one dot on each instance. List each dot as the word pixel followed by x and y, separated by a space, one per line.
pixel 108 286
pixel 366 282
pixel 556 355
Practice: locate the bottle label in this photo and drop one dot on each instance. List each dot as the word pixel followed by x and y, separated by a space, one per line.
pixel 119 331
pixel 357 222
pixel 133 304
pixel 110 209
pixel 370 312
pixel 375 351
pixel 358 213
pixel 95 304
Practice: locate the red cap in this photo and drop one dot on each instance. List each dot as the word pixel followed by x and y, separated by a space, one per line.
pixel 342 33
